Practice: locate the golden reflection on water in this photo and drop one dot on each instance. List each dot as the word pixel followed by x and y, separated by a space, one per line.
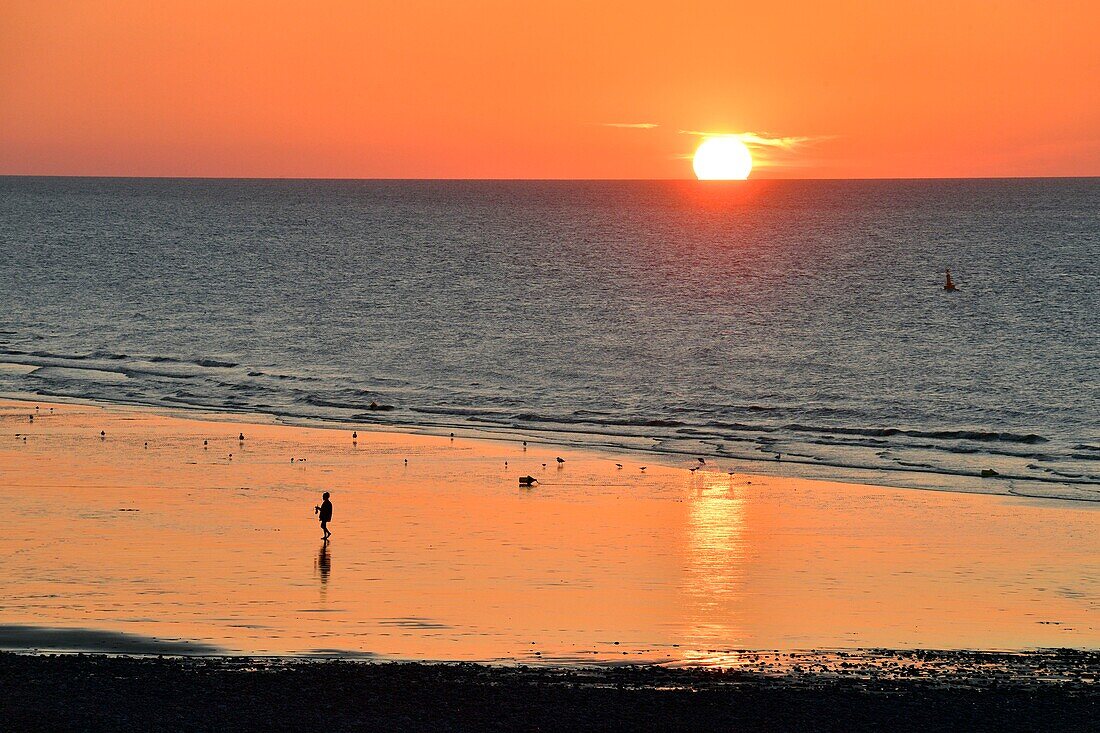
pixel 714 573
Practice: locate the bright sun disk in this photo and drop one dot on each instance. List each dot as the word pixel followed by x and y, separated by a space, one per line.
pixel 722 158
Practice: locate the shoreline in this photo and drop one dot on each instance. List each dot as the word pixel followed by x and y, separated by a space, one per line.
pixel 849 474
pixel 947 667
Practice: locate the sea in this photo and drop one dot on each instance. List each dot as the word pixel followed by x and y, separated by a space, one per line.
pixel 794 327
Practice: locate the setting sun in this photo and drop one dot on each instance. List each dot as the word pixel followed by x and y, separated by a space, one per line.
pixel 723 158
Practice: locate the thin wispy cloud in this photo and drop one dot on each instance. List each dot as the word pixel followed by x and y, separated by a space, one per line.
pixel 768 150
pixel 761 140
pixel 631 125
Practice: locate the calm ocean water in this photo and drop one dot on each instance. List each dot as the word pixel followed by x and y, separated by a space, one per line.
pixel 730 320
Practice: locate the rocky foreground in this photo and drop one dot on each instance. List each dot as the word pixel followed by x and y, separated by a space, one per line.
pixel 899 691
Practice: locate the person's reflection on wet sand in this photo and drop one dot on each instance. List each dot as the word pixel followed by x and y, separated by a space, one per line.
pixel 324 564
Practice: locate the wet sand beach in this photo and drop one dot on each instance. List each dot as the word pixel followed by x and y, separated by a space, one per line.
pixel 181 572
pixel 145 539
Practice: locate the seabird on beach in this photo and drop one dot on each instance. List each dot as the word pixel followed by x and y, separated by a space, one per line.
pixel 204 443
pixel 406 461
pixel 560 460
pixel 693 469
pixel 103 433
pixel 778 456
pixel 527 480
pixel 241 437
pixel 618 465
pixel 354 435
pixel 643 467
pixel 702 461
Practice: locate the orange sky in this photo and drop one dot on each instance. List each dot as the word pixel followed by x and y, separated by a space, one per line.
pixel 509 89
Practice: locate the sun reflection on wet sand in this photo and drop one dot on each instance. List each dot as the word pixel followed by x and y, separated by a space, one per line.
pixel 447 557
pixel 714 572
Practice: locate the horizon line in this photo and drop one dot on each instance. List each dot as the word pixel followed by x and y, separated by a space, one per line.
pixel 534 180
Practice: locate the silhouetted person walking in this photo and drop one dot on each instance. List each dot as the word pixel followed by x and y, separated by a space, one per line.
pixel 324 513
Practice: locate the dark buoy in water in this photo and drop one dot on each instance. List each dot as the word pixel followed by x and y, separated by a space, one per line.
pixel 949 284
